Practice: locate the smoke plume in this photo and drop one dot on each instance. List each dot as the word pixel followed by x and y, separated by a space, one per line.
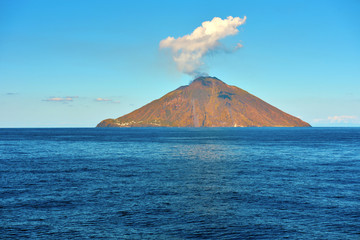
pixel 188 51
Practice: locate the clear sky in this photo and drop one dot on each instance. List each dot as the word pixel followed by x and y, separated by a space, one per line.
pixel 75 63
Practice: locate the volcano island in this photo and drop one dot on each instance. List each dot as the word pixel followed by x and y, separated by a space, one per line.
pixel 206 102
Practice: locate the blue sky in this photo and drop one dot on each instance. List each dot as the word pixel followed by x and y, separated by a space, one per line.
pixel 75 63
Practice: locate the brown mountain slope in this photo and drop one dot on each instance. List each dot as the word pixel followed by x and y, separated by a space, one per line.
pixel 206 102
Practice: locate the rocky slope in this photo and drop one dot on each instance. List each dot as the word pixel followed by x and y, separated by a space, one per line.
pixel 206 102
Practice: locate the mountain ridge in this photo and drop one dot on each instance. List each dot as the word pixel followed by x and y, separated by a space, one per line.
pixel 206 102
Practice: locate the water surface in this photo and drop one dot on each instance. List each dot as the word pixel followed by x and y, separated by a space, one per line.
pixel 180 183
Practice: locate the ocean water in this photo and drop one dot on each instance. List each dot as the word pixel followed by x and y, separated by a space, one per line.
pixel 180 183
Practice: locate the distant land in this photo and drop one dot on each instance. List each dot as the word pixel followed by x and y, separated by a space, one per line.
pixel 206 102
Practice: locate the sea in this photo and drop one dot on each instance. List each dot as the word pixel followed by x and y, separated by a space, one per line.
pixel 180 183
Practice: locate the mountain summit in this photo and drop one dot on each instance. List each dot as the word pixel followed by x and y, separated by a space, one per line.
pixel 206 102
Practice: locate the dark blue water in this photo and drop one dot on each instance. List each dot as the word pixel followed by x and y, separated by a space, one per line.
pixel 165 183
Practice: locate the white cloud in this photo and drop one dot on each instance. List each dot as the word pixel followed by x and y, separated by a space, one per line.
pixel 187 51
pixel 106 100
pixel 239 45
pixel 338 119
pixel 103 100
pixel 342 119
pixel 60 99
